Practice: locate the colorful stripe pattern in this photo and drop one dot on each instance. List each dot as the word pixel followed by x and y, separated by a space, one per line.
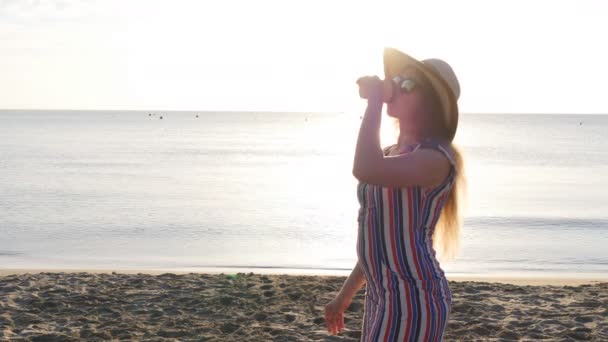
pixel 407 293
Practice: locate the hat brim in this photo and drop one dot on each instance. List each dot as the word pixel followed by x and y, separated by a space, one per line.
pixel 395 62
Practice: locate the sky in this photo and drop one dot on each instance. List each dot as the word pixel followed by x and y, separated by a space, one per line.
pixel 510 56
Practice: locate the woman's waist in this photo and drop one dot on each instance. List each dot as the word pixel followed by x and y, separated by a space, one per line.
pixel 422 275
pixel 419 270
pixel 437 286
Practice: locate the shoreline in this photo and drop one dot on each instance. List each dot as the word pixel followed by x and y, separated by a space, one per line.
pixel 571 279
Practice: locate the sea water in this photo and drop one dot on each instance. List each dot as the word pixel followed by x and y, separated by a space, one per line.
pixel 258 190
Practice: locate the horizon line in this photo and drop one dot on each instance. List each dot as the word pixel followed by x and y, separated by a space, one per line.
pixel 279 111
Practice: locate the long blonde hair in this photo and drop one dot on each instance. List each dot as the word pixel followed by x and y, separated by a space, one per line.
pixel 446 236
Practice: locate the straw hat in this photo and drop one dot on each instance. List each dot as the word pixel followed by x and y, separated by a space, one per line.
pixel 439 73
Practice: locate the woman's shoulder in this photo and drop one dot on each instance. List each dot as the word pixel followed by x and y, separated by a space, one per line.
pixel 442 146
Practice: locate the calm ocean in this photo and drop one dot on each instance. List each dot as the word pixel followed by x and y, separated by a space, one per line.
pixel 110 189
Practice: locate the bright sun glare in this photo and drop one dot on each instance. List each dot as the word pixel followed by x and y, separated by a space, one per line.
pixel 293 56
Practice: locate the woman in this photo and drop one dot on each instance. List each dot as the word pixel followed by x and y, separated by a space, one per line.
pixel 409 203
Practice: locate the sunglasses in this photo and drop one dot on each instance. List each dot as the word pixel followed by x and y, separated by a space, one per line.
pixel 404 84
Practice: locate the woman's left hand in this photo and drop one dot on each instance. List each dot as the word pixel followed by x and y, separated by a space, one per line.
pixel 334 315
pixel 371 87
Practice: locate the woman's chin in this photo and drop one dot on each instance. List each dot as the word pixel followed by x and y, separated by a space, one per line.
pixel 391 115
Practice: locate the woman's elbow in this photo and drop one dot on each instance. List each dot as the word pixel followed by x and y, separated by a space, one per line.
pixel 363 175
pixel 359 173
pixel 356 172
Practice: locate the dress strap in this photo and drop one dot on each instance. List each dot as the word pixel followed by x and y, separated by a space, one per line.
pixel 387 149
pixel 436 145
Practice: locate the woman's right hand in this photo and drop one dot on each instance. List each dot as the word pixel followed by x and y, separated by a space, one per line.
pixel 334 314
pixel 371 88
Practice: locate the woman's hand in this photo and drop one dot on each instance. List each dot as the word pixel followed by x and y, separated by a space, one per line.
pixel 334 314
pixel 371 88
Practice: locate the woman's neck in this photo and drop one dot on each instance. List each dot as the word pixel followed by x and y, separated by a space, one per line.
pixel 405 140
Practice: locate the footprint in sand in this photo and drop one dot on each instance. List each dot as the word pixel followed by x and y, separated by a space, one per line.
pixel 226 300
pixel 584 319
pixel 260 316
pixel 229 327
pixel 294 295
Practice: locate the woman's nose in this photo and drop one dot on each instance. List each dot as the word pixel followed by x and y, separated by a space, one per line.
pixel 387 91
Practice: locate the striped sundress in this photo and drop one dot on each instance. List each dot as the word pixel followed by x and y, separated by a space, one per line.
pixel 407 294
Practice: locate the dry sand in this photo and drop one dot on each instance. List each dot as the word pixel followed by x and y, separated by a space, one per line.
pixel 274 307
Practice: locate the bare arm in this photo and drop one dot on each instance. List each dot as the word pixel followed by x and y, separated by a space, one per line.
pixel 368 150
pixel 334 311
pixel 352 285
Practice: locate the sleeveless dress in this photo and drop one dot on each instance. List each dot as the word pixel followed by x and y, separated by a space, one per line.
pixel 407 296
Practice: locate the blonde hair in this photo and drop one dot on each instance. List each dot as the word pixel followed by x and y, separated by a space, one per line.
pixel 446 237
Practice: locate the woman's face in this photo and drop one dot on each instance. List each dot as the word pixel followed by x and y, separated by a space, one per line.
pixel 411 107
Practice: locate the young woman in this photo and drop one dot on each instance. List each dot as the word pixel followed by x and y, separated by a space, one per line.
pixel 409 203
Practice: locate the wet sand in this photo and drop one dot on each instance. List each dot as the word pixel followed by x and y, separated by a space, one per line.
pixel 130 305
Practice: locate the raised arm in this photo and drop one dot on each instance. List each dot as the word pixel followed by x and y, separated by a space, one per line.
pixel 368 150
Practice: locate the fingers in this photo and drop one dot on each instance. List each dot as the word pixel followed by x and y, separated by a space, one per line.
pixel 333 324
pixel 330 326
pixel 368 79
pixel 370 86
pixel 334 320
pixel 329 321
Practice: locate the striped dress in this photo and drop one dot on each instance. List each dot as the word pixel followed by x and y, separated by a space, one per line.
pixel 407 295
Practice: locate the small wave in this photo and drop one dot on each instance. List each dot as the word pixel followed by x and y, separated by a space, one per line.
pixel 10 253
pixel 538 222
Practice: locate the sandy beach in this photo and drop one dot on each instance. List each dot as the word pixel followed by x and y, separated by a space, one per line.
pixel 95 306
